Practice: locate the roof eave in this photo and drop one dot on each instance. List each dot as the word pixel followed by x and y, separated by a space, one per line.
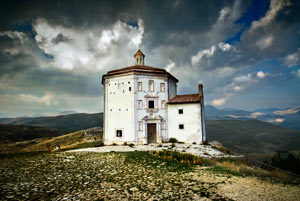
pixel 183 102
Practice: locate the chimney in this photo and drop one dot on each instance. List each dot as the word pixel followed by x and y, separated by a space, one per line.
pixel 200 90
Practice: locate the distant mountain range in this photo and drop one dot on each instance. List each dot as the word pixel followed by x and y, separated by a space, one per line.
pixel 289 118
pixel 241 131
pixel 70 122
pixel 253 138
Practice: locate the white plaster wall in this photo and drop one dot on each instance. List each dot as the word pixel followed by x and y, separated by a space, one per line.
pixel 119 109
pixel 141 113
pixel 191 118
pixel 172 88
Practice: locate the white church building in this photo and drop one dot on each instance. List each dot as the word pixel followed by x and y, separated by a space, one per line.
pixel 141 106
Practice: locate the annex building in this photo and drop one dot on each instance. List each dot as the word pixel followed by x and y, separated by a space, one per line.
pixel 141 106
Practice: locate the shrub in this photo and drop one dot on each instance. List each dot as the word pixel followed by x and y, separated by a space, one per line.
pixel 223 150
pixel 99 144
pixel 131 145
pixel 194 143
pixel 288 162
pixel 185 158
pixel 125 143
pixel 173 140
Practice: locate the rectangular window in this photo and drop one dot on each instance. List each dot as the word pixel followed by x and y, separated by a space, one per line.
pixel 163 104
pixel 140 86
pixel 180 111
pixel 181 126
pixel 151 104
pixel 119 133
pixel 163 125
pixel 151 85
pixel 140 127
pixel 140 104
pixel 162 87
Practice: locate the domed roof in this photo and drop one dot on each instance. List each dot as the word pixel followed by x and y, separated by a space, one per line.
pixel 138 69
pixel 138 53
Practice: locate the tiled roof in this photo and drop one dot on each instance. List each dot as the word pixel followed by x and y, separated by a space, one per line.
pixel 138 69
pixel 188 98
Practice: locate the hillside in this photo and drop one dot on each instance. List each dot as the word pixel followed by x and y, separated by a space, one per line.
pixel 79 139
pixel 17 133
pixel 71 122
pixel 255 138
pixel 288 118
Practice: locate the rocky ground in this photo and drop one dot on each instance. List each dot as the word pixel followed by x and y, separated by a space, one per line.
pixel 206 151
pixel 126 176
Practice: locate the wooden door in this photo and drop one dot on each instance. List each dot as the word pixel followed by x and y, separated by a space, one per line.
pixel 151 133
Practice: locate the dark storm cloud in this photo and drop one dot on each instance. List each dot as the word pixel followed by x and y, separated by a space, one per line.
pixel 65 46
pixel 22 69
pixel 60 38
pixel 23 72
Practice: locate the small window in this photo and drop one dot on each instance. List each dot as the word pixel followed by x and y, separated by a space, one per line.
pixel 140 104
pixel 180 111
pixel 151 104
pixel 140 86
pixel 181 126
pixel 163 125
pixel 163 104
pixel 129 88
pixel 140 127
pixel 162 87
pixel 119 133
pixel 123 91
pixel 128 82
pixel 151 85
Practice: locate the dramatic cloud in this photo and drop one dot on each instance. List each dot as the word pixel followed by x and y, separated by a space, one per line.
pixel 47 99
pixel 293 59
pixel 53 54
pixel 218 102
pixel 265 42
pixel 238 85
pixel 275 7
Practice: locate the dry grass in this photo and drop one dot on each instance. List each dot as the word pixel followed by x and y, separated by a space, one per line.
pixel 184 158
pixel 235 166
pixel 68 141
pixel 223 149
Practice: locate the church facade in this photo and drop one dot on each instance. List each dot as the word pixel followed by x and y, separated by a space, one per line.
pixel 141 106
